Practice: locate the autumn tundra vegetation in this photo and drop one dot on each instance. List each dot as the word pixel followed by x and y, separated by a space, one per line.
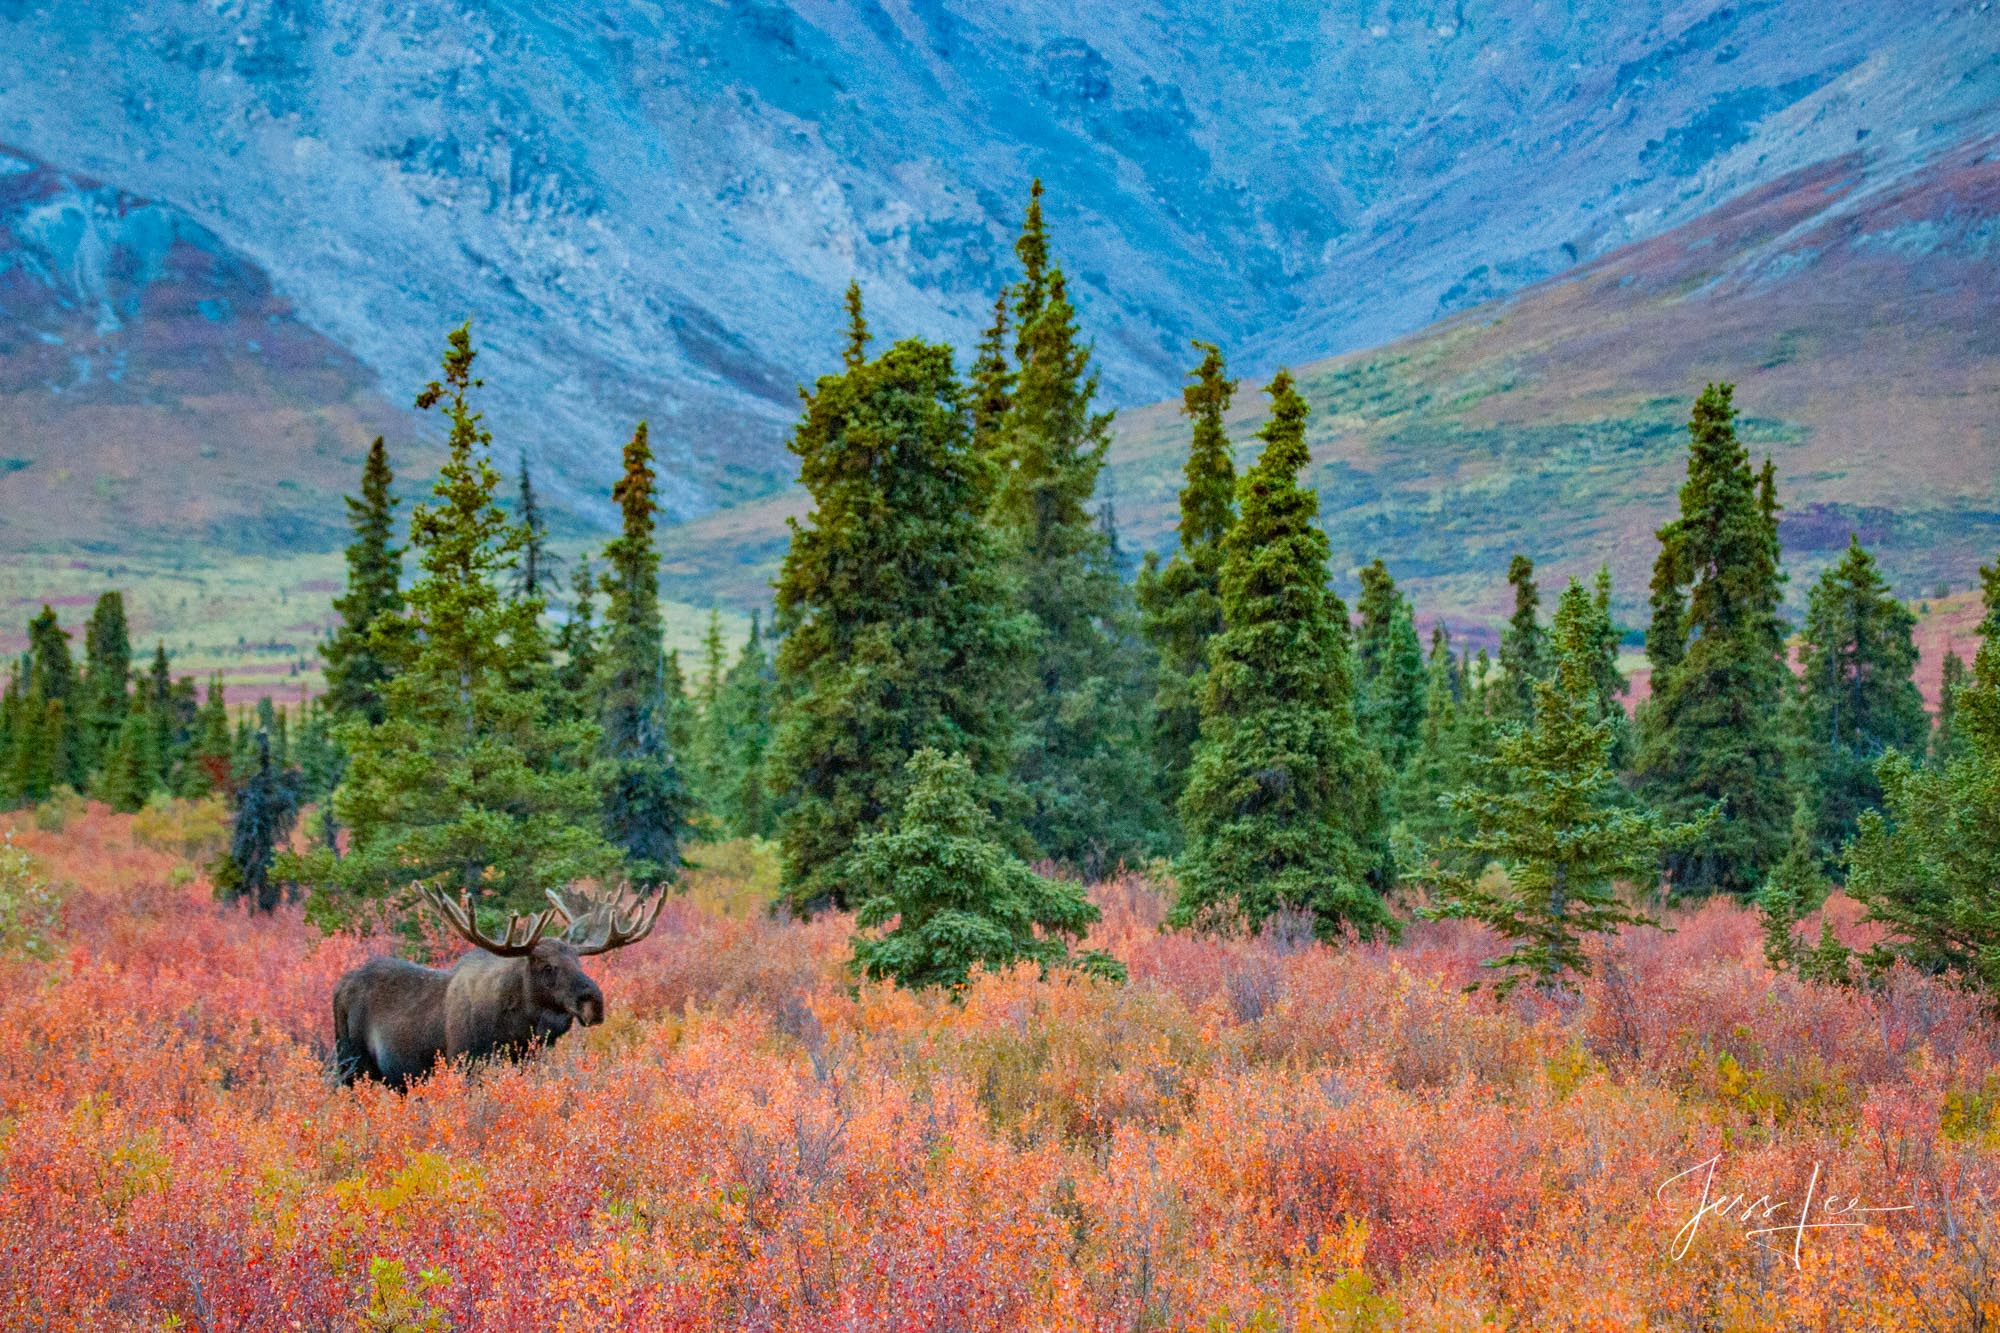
pixel 1015 939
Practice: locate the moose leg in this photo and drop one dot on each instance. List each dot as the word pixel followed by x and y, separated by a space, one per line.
pixel 354 1055
pixel 351 1058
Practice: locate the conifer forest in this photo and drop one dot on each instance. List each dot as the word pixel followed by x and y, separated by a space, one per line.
pixel 973 878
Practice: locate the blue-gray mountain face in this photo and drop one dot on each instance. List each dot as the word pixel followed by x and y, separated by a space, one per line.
pixel 651 209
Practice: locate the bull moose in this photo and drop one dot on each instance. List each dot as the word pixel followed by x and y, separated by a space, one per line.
pixel 393 1020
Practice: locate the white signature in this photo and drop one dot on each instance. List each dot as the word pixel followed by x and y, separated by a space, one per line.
pixel 1832 1214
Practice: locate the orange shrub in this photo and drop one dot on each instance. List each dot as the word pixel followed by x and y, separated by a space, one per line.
pixel 1253 1134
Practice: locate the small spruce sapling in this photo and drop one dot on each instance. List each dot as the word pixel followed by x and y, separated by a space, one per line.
pixel 958 898
pixel 1553 826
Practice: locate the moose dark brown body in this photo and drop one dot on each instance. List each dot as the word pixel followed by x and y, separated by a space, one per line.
pixel 394 1020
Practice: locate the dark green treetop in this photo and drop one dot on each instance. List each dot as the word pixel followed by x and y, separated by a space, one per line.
pixel 355 669
pixel 1081 705
pixel 646 798
pixel 1857 696
pixel 1712 731
pixel 898 625
pixel 1284 802
pixel 1181 604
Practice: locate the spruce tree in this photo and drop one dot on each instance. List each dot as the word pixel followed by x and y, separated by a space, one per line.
pixel 158 704
pixel 1284 804
pixel 1712 731
pixel 12 711
pixel 356 669
pixel 107 677
pixel 1554 825
pixel 896 618
pixel 130 767
pixel 1927 865
pixel 1181 604
pixel 39 739
pixel 577 641
pixel 992 385
pixel 749 693
pixel 1796 889
pixel 466 783
pixel 714 757
pixel 1522 651
pixel 1438 766
pixel 1610 682
pixel 264 809
pixel 207 766
pixel 855 350
pixel 1989 598
pixel 1389 665
pixel 645 802
pixel 315 755
pixel 1857 696
pixel 1081 708
pixel 534 564
pixel 958 898
pixel 1946 742
pixel 50 749
pixel 680 717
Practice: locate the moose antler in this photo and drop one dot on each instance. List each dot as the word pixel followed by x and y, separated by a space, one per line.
pixel 522 931
pixel 600 927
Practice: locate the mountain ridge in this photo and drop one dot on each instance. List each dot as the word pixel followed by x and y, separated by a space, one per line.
pixel 651 212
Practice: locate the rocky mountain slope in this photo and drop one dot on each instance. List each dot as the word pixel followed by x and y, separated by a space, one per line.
pixel 1850 302
pixel 154 391
pixel 651 209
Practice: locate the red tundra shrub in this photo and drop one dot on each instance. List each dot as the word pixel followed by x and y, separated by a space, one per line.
pixel 1261 1133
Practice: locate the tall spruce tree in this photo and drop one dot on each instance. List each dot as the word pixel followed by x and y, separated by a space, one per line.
pixel 263 810
pixel 897 624
pixel 1082 759
pixel 468 783
pixel 1181 604
pixel 50 750
pixel 855 350
pixel 534 564
pixel 206 768
pixel 1389 666
pixel 1946 741
pixel 1284 804
pixel 749 693
pixel 1610 682
pixel 646 802
pixel 577 641
pixel 1554 824
pixel 1857 696
pixel 714 757
pixel 1439 765
pixel 1712 731
pixel 356 669
pixel 131 770
pixel 107 678
pixel 992 386
pixel 1927 865
pixel 1523 654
